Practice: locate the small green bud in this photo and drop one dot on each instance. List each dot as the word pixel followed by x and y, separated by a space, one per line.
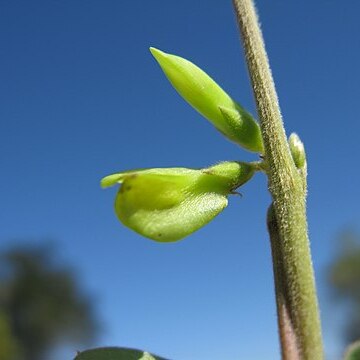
pixel 169 204
pixel 297 151
pixel 210 100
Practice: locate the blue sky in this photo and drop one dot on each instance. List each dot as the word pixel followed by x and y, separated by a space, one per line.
pixel 82 97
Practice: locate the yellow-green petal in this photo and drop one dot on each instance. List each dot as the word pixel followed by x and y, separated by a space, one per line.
pixel 208 98
pixel 165 209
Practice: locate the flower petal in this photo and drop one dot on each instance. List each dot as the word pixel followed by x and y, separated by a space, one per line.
pixel 165 209
pixel 210 100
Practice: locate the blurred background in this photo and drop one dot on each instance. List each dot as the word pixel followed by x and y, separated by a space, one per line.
pixel 81 97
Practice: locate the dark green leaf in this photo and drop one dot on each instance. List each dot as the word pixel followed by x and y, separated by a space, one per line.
pixel 353 351
pixel 116 353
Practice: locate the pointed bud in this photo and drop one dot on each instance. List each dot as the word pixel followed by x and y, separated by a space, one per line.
pixel 297 151
pixel 169 204
pixel 210 100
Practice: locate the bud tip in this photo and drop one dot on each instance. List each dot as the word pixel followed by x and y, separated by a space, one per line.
pixel 297 150
pixel 158 54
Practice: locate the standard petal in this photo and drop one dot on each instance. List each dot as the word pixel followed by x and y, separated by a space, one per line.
pixel 118 178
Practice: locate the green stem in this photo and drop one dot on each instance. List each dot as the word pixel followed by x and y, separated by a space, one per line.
pixel 289 348
pixel 286 186
pixel 258 165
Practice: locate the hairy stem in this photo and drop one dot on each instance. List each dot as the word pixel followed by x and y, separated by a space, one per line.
pixel 289 348
pixel 290 246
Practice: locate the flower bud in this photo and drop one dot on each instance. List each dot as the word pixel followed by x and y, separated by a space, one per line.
pixel 169 204
pixel 297 151
pixel 210 100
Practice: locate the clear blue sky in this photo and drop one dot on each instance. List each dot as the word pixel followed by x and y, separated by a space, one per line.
pixel 81 97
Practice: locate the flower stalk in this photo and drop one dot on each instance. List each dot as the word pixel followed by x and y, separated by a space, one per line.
pixel 299 323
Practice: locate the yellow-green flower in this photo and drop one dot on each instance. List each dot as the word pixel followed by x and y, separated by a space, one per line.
pixel 168 204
